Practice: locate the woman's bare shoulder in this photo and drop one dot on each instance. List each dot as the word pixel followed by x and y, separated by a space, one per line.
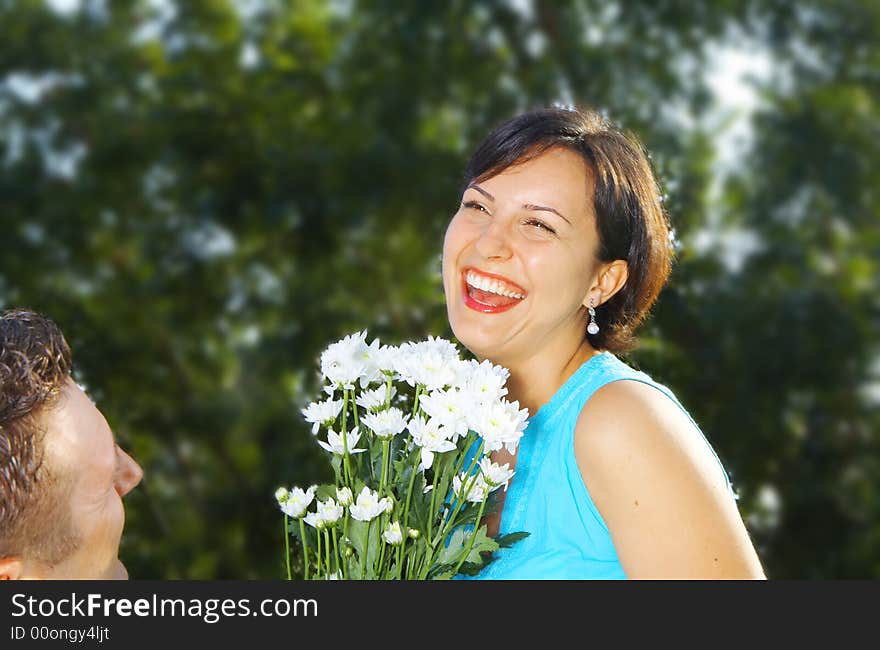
pixel 659 487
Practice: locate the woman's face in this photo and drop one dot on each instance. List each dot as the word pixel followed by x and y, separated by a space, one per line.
pixel 519 258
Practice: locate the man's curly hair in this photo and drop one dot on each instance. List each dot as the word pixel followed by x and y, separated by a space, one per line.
pixel 35 362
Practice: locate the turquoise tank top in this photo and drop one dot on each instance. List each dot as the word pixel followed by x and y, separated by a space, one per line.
pixel 548 498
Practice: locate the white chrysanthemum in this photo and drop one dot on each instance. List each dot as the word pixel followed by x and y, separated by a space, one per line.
pixel 441 346
pixel 369 506
pixel 343 362
pixel 392 533
pixel 329 511
pixel 483 381
pixel 297 501
pixel 387 423
pixel 371 357
pixel 344 495
pixel 336 445
pixel 496 475
pixel 375 398
pixel 476 487
pixel 500 424
pixel 385 358
pixel 319 413
pixel 450 407
pixel 432 363
pixel 315 520
pixel 432 437
pixel 402 362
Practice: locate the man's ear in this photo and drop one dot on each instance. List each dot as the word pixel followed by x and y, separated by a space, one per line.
pixel 611 278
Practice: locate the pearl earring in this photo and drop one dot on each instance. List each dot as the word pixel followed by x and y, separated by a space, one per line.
pixel 593 327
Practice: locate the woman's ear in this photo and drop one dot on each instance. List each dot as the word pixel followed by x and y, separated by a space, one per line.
pixel 612 276
pixel 10 568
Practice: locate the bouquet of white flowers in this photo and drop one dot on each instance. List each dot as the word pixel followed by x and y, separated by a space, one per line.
pixel 408 431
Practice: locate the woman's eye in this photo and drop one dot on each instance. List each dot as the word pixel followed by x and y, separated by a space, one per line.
pixel 541 225
pixel 473 205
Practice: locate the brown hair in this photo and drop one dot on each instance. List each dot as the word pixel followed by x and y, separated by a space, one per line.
pixel 35 362
pixel 630 219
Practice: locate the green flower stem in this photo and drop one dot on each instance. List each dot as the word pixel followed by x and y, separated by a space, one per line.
pixel 366 551
pixel 399 558
pixel 433 503
pixel 357 424
pixel 467 443
pixel 327 550
pixel 380 571
pixel 287 546
pixel 346 572
pixel 340 567
pixel 418 394
pixel 385 445
pixel 462 498
pixel 473 536
pixel 424 565
pixel 388 391
pixel 354 409
pixel 412 479
pixel 345 456
pixel 344 407
pixel 381 544
pixel 302 535
pixel 318 555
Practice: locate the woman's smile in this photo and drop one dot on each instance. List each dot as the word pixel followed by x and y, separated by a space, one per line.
pixel 489 293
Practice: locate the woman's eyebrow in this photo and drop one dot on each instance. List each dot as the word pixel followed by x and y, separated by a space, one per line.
pixel 527 206
pixel 481 191
pixel 544 208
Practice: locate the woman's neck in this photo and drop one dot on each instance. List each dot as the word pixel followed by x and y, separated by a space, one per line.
pixel 534 380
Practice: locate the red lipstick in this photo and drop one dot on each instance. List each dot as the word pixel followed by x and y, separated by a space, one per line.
pixel 472 302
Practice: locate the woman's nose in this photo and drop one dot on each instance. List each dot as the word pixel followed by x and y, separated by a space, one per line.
pixel 494 241
pixel 128 473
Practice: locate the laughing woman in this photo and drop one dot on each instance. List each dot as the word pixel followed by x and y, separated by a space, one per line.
pixel 556 254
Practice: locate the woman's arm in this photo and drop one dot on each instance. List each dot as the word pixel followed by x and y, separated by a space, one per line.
pixel 659 488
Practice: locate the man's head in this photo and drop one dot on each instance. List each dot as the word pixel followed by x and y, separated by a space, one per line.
pixel 62 475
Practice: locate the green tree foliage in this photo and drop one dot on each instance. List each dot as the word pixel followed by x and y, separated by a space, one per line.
pixel 205 194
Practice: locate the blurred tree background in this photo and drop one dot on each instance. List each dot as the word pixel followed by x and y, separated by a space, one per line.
pixel 205 194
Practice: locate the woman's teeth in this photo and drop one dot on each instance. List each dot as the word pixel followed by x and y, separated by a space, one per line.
pixel 491 285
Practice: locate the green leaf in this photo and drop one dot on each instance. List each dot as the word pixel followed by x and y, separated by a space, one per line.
pixel 326 491
pixel 374 543
pixel 508 540
pixel 482 544
pixel 454 548
pixel 445 573
pixel 357 533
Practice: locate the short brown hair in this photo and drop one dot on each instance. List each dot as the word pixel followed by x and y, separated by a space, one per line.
pixel 630 219
pixel 35 362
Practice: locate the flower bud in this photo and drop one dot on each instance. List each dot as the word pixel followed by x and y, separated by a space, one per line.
pixel 281 494
pixel 344 496
pixel 413 533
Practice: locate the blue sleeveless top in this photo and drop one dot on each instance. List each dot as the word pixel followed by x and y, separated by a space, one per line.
pixel 547 496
